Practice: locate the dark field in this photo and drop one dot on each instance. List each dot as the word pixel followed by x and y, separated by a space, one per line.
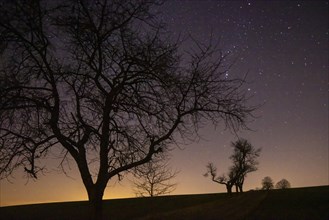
pixel 297 203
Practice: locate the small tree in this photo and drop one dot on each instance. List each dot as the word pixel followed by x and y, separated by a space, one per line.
pixel 283 184
pixel 154 179
pixel 267 183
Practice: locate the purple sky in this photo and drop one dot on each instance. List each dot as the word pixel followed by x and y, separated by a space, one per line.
pixel 284 47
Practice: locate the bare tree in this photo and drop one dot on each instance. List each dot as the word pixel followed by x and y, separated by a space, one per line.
pixel 99 83
pixel 228 180
pixel 283 184
pixel 267 183
pixel 244 160
pixel 154 179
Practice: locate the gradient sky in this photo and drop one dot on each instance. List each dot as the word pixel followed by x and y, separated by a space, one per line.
pixel 284 47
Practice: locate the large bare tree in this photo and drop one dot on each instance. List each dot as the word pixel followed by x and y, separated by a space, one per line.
pixel 99 82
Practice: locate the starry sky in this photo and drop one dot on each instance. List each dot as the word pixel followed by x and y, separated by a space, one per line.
pixel 283 45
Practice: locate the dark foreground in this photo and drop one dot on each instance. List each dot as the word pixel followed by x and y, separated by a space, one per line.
pixel 297 203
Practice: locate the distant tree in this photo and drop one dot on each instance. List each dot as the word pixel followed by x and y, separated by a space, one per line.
pixel 228 180
pixel 154 179
pixel 267 183
pixel 239 179
pixel 283 184
pixel 100 83
pixel 244 159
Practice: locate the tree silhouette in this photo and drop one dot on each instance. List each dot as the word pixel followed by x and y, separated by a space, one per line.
pixel 267 183
pixel 244 159
pixel 228 180
pixel 283 184
pixel 154 179
pixel 99 82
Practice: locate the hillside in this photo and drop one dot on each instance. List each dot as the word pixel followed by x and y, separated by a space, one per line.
pixel 299 203
pixel 296 203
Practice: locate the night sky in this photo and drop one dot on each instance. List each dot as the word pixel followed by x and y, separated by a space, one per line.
pixel 283 45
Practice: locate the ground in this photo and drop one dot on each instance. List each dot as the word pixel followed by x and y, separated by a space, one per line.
pixel 296 203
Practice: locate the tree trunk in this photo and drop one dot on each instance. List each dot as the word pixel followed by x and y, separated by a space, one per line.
pixel 229 188
pixel 151 192
pixel 240 187
pixel 95 196
pixel 241 184
pixel 95 190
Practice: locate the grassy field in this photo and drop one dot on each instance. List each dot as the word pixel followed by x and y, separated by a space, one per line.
pixel 296 203
pixel 300 203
